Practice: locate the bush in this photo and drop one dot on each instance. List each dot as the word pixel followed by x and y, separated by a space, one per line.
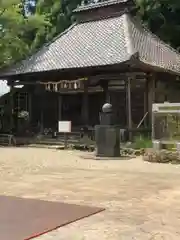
pixel 141 142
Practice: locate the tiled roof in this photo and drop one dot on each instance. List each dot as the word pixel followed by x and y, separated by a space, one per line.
pixel 151 49
pixel 99 43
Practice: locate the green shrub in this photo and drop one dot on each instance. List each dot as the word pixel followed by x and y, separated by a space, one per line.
pixel 140 142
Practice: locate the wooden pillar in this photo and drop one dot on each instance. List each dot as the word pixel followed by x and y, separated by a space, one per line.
pixel 104 85
pixel 151 94
pixel 85 105
pixel 59 107
pixel 151 98
pixel 128 106
pixel 42 113
pixel 30 106
pixel 11 107
pixel 107 94
pixel 146 111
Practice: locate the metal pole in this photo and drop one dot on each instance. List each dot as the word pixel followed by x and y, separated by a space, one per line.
pixel 65 141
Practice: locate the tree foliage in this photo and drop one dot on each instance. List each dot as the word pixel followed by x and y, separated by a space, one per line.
pixel 15 29
pixel 58 14
pixel 163 18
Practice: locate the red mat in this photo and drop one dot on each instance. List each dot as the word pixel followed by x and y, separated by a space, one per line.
pixel 24 219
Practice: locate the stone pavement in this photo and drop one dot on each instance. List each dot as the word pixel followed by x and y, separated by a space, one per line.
pixel 142 200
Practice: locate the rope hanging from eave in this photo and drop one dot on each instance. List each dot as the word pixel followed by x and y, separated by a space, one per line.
pixel 63 84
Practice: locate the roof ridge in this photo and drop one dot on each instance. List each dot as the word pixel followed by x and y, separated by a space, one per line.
pixel 128 37
pixel 100 4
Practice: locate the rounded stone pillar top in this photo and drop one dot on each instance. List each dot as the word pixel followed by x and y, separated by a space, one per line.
pixel 107 108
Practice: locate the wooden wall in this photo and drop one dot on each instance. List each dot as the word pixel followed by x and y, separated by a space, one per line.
pixel 131 95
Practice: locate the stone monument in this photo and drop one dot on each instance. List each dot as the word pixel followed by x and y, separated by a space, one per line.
pixel 107 134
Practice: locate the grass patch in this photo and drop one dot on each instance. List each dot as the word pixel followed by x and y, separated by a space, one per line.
pixel 140 142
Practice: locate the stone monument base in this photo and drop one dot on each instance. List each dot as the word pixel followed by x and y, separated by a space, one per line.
pixel 107 141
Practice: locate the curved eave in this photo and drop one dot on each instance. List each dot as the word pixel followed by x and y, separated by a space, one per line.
pixel 134 63
pixel 150 67
pixel 70 73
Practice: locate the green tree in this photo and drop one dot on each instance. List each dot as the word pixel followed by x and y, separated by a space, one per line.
pixel 58 14
pixel 162 17
pixel 14 28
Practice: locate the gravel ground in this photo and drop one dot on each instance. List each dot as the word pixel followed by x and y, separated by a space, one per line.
pixel 141 199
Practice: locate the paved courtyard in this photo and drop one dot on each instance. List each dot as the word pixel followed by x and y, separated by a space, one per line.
pixel 142 200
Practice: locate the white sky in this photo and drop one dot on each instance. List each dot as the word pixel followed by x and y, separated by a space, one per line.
pixel 3 87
